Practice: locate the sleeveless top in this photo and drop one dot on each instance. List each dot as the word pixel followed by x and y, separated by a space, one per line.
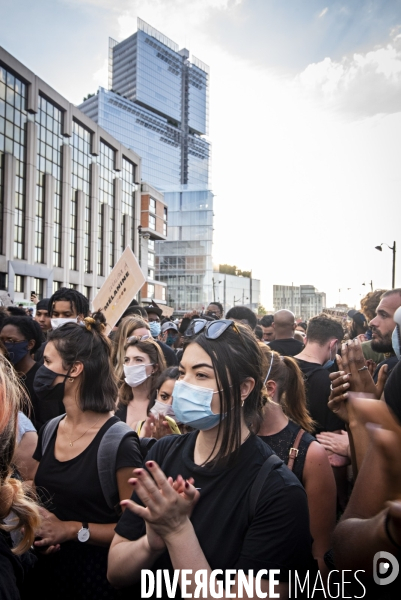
pixel 282 441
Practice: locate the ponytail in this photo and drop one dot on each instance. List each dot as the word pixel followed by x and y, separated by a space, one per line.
pixel 293 400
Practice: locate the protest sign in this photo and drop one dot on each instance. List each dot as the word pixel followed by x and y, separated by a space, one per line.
pixel 120 287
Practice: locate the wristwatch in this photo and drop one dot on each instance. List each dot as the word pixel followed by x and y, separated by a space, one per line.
pixel 84 533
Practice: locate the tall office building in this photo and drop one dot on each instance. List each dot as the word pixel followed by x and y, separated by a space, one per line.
pixel 304 301
pixel 157 104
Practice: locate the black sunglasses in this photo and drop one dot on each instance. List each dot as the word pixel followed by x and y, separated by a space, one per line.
pixel 211 329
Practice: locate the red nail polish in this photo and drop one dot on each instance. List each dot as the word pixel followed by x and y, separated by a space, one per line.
pixel 150 463
pixel 187 484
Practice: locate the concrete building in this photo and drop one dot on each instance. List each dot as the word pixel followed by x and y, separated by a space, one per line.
pixel 157 104
pixel 232 290
pixel 304 300
pixel 70 201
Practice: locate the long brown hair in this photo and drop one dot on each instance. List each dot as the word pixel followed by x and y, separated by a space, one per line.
pixel 291 387
pixel 125 330
pixel 13 497
pixel 152 349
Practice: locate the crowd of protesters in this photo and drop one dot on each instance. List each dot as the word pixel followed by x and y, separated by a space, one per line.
pixel 205 442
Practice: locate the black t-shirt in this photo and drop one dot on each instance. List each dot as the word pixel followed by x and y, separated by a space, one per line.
pixel 392 390
pixel 317 386
pixel 278 536
pixel 287 347
pixel 71 489
pixel 11 571
pixel 282 441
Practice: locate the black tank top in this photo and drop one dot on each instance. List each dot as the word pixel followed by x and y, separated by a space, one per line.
pixel 282 441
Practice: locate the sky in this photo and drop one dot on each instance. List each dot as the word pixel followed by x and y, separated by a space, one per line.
pixel 305 121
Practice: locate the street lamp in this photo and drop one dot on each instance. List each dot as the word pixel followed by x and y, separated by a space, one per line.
pixel 371 284
pixel 393 249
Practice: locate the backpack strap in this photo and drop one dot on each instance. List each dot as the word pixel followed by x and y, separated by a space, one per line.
pixel 293 453
pixel 48 430
pixel 273 462
pixel 107 459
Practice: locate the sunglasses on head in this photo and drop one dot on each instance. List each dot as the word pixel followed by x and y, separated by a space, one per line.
pixel 135 338
pixel 211 329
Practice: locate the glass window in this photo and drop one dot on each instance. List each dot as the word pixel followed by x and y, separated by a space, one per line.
pixel 56 286
pixel 19 282
pixel 127 201
pixel 81 180
pixel 151 290
pixel 152 222
pixel 106 196
pixel 39 286
pixel 152 206
pixel 151 273
pixel 49 160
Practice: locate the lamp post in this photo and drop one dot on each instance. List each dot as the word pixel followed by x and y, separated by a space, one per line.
pixel 393 249
pixel 371 285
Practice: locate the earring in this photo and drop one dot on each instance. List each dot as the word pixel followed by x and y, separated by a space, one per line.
pixel 71 379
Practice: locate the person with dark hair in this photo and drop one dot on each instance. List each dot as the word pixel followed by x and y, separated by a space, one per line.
pixel 42 315
pixel 259 332
pixel 22 336
pixel 215 309
pixel 16 311
pixel 160 405
pixel 143 360
pixel 284 342
pixel 266 322
pixel 244 315
pixel 287 428
pixel 301 326
pixel 225 525
pixel 382 329
pixel 67 306
pixel 324 336
pixel 358 326
pixel 78 518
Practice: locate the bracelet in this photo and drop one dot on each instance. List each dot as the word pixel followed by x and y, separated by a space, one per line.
pixel 387 530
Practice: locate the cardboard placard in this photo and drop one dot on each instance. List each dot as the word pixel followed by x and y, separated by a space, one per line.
pixel 119 289
pixel 167 310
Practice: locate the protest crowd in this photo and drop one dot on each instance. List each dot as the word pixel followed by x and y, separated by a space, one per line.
pixel 208 442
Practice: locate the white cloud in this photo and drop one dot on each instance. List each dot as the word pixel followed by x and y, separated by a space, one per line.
pixel 324 11
pixel 361 85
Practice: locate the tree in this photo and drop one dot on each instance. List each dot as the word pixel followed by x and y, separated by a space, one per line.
pixel 261 310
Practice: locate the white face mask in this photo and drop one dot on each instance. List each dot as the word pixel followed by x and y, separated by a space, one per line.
pixel 136 374
pixel 56 323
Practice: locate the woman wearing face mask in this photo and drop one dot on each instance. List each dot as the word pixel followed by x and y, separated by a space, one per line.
pixel 22 337
pixel 219 524
pixel 286 426
pixel 78 520
pixel 143 359
pixel 129 327
pixel 156 426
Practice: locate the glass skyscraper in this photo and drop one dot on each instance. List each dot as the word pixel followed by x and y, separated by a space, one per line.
pixel 157 105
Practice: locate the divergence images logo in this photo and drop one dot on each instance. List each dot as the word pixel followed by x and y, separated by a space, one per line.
pixel 388 566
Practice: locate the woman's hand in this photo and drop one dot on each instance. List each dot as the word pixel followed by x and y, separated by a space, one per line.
pixel 54 532
pixel 338 443
pixel 155 428
pixel 353 362
pixel 168 505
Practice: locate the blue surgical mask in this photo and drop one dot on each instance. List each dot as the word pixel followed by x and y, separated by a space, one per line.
pixel 17 351
pixel 329 363
pixel 192 406
pixel 155 328
pixel 395 342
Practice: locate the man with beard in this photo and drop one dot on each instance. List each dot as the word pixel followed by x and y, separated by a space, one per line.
pixel 383 326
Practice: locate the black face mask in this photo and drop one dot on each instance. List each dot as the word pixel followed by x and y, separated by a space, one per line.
pixel 43 384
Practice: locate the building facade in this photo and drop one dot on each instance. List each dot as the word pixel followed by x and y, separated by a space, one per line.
pixel 232 290
pixel 157 104
pixel 304 300
pixel 69 196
